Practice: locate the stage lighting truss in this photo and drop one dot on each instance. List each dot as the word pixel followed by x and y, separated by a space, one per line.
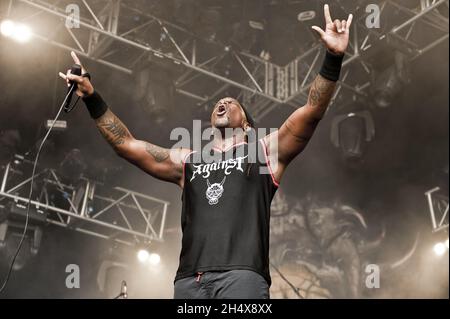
pixel 115 33
pixel 116 214
pixel 438 208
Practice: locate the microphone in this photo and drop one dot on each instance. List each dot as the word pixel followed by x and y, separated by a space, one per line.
pixel 76 70
pixel 123 290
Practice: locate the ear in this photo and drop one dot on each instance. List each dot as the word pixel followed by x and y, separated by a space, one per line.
pixel 245 125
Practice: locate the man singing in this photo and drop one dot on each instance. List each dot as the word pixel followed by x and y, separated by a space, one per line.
pixel 226 204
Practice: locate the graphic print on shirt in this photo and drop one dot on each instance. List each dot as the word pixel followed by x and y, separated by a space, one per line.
pixel 214 191
pixel 204 170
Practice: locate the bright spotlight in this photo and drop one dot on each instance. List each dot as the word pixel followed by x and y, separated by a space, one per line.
pixel 154 259
pixel 143 255
pixel 7 28
pixel 439 249
pixel 22 33
pixel 446 243
pixel 17 31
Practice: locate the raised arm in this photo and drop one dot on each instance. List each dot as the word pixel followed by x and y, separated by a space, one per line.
pixel 159 162
pixel 298 129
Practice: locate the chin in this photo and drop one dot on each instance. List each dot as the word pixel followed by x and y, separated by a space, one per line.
pixel 222 123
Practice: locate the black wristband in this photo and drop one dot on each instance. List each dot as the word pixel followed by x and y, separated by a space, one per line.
pixel 95 105
pixel 331 67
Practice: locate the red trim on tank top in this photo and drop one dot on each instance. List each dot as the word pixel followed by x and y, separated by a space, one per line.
pixel 274 180
pixel 184 161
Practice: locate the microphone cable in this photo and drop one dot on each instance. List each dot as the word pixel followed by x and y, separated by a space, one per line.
pixel 291 285
pixel 27 217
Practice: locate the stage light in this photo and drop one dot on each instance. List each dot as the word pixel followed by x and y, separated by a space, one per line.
pixel 154 91
pixel 446 243
pixel 22 33
pixel 154 259
pixel 306 15
pixel 17 31
pixel 390 82
pixel 351 133
pixel 439 249
pixel 257 25
pixel 7 28
pixel 388 86
pixel 143 255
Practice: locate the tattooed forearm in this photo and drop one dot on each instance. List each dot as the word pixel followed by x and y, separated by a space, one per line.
pixel 158 153
pixel 112 129
pixel 298 129
pixel 320 93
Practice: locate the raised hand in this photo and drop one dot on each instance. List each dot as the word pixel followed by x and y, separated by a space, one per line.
pixel 85 87
pixel 336 34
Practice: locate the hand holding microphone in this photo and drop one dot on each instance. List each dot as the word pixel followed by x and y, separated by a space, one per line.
pixel 84 86
pixel 81 84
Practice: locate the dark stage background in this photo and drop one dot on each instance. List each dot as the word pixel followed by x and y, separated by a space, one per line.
pixel 385 184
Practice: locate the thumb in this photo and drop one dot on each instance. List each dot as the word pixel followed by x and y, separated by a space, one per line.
pixel 319 31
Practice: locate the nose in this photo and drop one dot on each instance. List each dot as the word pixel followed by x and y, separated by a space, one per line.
pixel 221 106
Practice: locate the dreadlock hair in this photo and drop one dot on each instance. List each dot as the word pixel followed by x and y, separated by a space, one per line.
pixel 251 122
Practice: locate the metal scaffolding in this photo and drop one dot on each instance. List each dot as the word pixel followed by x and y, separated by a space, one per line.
pixel 438 208
pixel 122 215
pixel 106 29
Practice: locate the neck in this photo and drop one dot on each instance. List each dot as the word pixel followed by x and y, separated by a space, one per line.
pixel 222 141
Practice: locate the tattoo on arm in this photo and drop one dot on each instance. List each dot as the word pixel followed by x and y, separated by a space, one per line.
pixel 116 133
pixel 300 126
pixel 112 129
pixel 321 92
pixel 158 153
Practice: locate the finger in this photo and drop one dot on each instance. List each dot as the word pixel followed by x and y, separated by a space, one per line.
pixel 326 10
pixel 343 25
pixel 75 78
pixel 69 71
pixel 77 61
pixel 349 21
pixel 75 58
pixel 64 77
pixel 319 30
pixel 337 24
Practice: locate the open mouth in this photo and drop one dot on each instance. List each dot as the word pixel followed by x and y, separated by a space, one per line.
pixel 221 111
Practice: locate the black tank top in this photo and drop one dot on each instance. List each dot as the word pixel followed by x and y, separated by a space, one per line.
pixel 226 212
